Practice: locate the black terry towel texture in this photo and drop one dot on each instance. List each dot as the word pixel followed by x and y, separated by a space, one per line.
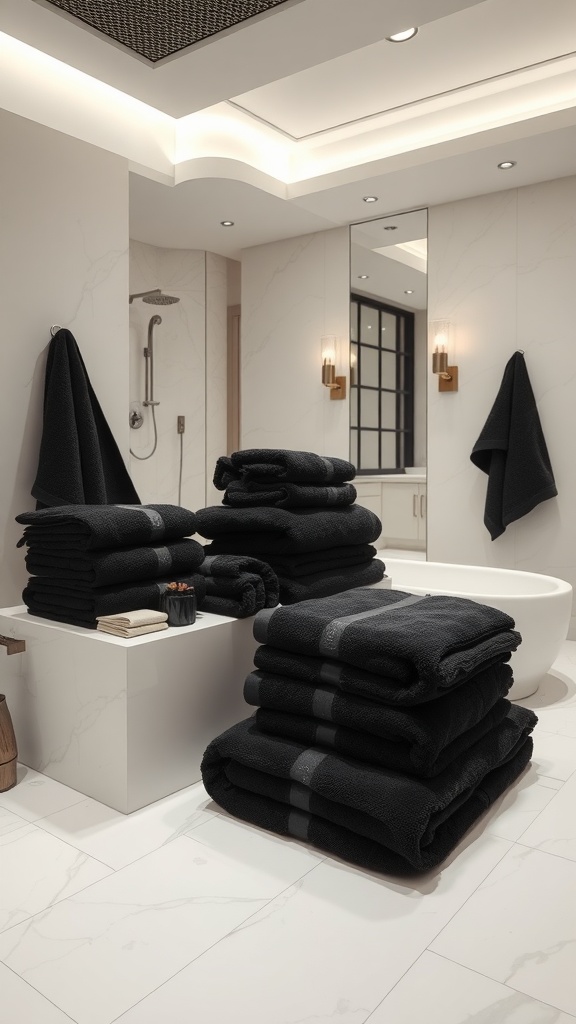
pixel 333 581
pixel 420 741
pixel 248 494
pixel 282 531
pixel 80 606
pixel 439 640
pixel 93 527
pixel 348 679
pixel 377 818
pixel 119 565
pixel 511 449
pixel 79 462
pixel 238 586
pixel 268 465
pixel 321 561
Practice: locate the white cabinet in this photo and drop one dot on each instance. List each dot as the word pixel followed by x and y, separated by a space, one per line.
pixel 370 496
pixel 400 503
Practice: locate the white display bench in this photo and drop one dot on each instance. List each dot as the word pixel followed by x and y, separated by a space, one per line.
pixel 123 721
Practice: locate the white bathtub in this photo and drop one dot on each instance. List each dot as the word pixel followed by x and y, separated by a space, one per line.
pixel 540 606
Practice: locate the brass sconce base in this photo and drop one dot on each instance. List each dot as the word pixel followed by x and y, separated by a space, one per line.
pixel 339 391
pixel 450 381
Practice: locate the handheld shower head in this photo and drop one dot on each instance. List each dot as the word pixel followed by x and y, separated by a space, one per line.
pixel 154 297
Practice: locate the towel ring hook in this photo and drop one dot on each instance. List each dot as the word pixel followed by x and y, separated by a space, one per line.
pixel 54 329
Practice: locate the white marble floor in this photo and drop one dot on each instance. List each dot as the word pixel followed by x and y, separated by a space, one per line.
pixel 181 914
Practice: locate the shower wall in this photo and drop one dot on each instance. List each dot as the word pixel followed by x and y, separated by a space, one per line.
pixel 189 371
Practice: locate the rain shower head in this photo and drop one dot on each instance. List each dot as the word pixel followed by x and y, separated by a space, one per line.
pixel 154 297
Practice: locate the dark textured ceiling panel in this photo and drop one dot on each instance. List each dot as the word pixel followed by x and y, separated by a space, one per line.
pixel 159 28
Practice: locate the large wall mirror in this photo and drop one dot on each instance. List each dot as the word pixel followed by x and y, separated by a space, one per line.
pixel 388 345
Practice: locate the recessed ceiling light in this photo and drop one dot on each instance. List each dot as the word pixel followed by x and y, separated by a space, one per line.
pixel 408 291
pixel 390 227
pixel 370 199
pixel 507 164
pixel 227 223
pixel 363 277
pixel 402 37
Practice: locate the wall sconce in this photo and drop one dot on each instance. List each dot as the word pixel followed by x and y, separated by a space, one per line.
pixel 440 332
pixel 353 368
pixel 337 385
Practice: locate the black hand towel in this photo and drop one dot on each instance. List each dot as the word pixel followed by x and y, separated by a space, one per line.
pixel 232 566
pixel 238 586
pixel 420 741
pixel 511 449
pixel 121 565
pixel 435 639
pixel 334 581
pixel 282 531
pixel 268 465
pixel 248 494
pixel 370 815
pixel 349 679
pixel 321 561
pixel 80 606
pixel 79 462
pixel 92 527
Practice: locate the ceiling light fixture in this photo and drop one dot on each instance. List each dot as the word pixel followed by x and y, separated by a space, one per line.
pixel 390 227
pixel 370 199
pixel 403 37
pixel 227 223
pixel 363 277
pixel 506 165
pixel 408 291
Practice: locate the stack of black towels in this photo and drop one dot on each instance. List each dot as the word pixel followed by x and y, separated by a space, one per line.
pixel 383 730
pixel 296 512
pixel 94 560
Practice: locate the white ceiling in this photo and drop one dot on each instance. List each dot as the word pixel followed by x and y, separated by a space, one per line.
pixel 416 124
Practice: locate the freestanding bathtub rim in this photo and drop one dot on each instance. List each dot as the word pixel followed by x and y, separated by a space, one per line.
pixel 550 585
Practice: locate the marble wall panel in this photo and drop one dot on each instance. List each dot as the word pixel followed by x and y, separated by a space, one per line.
pixel 216 363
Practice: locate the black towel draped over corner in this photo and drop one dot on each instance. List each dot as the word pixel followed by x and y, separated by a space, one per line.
pixel 511 449
pixel 79 462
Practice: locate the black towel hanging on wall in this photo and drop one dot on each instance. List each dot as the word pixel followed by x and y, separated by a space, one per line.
pixel 511 449
pixel 80 462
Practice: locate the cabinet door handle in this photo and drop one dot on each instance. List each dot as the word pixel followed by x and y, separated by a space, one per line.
pixel 422 506
pixel 415 505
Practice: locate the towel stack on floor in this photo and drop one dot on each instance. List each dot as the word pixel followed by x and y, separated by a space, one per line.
pixel 383 730
pixel 98 560
pixel 295 511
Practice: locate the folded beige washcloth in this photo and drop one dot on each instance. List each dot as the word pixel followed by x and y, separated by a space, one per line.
pixel 127 632
pixel 129 620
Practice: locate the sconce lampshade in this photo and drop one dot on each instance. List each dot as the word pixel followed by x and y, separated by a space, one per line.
pixel 330 360
pixel 440 332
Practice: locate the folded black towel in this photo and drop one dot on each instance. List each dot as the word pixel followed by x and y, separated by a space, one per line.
pixel 322 584
pixel 511 449
pixel 268 465
pixel 79 461
pixel 439 640
pixel 282 531
pixel 119 565
pixel 238 586
pixel 92 527
pixel 250 493
pixel 420 741
pixel 80 606
pixel 321 561
pixel 375 817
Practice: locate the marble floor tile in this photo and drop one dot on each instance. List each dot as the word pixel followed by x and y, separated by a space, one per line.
pixel 125 936
pixel 119 839
pixel 276 858
pixel 36 795
pixel 37 870
pixel 554 754
pixel 451 994
pixel 21 1004
pixel 519 927
pixel 329 948
pixel 520 805
pixel 554 830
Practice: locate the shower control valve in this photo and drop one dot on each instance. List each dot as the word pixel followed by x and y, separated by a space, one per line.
pixel 136 419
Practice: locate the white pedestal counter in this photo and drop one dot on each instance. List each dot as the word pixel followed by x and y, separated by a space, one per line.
pixel 123 721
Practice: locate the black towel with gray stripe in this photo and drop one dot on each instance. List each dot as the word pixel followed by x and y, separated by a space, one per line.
pixel 248 494
pixel 375 817
pixel 79 605
pixel 269 465
pixel 119 565
pixel 282 531
pixel 92 527
pixel 238 586
pixel 333 581
pixel 321 561
pixel 420 741
pixel 438 640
